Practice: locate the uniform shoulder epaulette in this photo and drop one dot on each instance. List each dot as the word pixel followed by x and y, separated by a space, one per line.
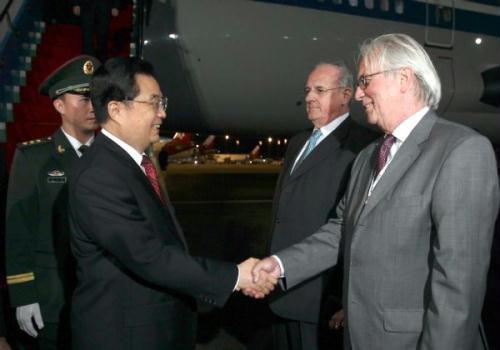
pixel 34 142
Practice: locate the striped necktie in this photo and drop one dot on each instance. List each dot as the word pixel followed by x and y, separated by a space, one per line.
pixel 383 153
pixel 152 176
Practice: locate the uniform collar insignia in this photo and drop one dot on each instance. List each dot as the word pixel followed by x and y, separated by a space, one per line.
pixel 60 149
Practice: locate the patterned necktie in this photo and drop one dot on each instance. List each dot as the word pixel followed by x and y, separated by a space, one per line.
pixel 313 140
pixel 383 153
pixel 150 169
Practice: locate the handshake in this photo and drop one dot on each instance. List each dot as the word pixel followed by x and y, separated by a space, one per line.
pixel 257 278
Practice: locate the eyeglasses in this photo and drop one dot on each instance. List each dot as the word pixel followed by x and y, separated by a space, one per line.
pixel 319 90
pixel 159 104
pixel 364 80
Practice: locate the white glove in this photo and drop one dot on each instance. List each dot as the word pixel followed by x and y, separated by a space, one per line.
pixel 25 316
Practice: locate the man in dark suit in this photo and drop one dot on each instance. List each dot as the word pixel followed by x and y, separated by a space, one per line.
pixel 95 18
pixel 38 259
pixel 416 220
pixel 136 280
pixel 307 191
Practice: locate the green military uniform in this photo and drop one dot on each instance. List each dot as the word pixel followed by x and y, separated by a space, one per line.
pixel 38 258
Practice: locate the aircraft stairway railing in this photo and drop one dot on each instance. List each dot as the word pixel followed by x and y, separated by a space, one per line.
pixel 38 49
pixel 22 29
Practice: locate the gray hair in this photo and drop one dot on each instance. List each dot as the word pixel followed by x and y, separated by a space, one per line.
pixel 394 51
pixel 345 77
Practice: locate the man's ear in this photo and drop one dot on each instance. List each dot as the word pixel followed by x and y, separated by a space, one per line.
pixel 406 79
pixel 115 110
pixel 347 95
pixel 59 106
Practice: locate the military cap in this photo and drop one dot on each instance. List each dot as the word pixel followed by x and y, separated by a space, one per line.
pixel 73 76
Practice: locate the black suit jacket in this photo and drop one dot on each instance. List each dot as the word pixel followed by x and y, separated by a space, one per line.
pixel 303 202
pixel 133 269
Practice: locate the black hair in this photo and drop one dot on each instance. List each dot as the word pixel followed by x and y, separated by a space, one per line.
pixel 115 80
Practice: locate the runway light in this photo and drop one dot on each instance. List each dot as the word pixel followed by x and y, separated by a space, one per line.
pixel 479 41
pixel 173 36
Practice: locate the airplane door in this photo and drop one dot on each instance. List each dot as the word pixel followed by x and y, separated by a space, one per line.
pixel 444 67
pixel 440 23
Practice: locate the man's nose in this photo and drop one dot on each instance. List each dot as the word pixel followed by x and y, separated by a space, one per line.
pixel 309 96
pixel 162 113
pixel 359 93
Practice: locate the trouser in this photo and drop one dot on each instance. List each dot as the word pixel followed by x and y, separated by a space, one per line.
pixel 95 18
pixel 51 337
pixel 295 335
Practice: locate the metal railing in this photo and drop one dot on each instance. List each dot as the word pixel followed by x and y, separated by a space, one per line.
pixel 5 12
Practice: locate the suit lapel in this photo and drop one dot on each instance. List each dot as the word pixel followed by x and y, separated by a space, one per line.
pixel 293 153
pixel 141 177
pixel 325 149
pixel 361 186
pixel 169 208
pixel 404 158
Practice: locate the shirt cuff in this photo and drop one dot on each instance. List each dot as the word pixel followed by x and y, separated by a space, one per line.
pixel 275 257
pixel 237 279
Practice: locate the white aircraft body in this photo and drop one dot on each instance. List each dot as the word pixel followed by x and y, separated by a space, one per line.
pixel 240 65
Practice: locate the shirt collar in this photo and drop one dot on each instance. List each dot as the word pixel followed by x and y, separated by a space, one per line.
pixel 131 151
pixel 331 126
pixel 74 142
pixel 406 127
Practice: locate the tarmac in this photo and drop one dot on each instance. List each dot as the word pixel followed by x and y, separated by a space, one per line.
pixel 225 211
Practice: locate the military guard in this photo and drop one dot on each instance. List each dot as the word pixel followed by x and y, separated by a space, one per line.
pixel 38 258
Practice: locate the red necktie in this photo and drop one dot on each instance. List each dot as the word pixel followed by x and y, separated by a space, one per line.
pixel 383 153
pixel 150 169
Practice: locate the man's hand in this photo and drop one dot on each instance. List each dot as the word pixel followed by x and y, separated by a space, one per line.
pixel 269 266
pixel 115 12
pixel 246 284
pixel 26 315
pixel 337 320
pixel 76 10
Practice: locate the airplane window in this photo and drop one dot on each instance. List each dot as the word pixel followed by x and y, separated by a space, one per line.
pixel 369 4
pixel 384 5
pixel 353 3
pixel 399 6
pixel 446 12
